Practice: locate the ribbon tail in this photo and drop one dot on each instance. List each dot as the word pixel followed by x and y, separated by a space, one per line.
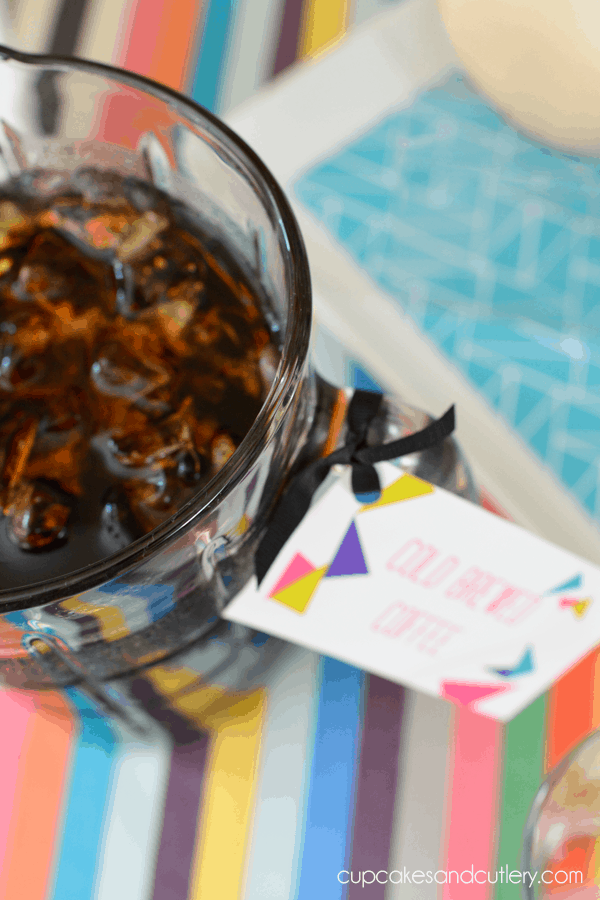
pixel 292 508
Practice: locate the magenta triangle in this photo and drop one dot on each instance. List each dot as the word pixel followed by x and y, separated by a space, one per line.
pixel 465 693
pixel 349 560
pixel 297 568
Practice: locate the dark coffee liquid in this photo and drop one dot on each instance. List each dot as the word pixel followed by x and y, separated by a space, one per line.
pixel 134 357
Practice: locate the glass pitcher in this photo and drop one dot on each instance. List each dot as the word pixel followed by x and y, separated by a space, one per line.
pixel 59 117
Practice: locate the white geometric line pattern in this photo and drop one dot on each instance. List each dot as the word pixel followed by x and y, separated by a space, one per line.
pixel 491 243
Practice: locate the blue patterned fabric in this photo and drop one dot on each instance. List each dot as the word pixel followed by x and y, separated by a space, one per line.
pixel 491 243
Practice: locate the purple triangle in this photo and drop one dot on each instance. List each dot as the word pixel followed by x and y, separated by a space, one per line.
pixel 349 560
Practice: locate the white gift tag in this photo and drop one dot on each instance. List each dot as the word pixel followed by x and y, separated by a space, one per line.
pixel 430 591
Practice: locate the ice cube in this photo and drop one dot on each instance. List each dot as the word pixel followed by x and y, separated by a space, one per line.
pixel 112 315
pixel 222 449
pixel 70 324
pixel 62 462
pixel 190 467
pixel 37 517
pixel 100 187
pixel 243 372
pixel 140 236
pixel 29 329
pixel 155 446
pixel 119 525
pixel 36 281
pixel 172 318
pixel 140 194
pixel 207 329
pixel 87 228
pixel 155 499
pixel 117 372
pixel 61 421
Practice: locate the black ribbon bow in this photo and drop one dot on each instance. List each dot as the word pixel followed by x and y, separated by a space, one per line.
pixel 296 500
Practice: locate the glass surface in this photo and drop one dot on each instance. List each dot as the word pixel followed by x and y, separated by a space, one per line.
pixel 562 835
pixel 165 589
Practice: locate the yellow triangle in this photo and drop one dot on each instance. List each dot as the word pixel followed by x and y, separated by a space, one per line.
pixel 298 595
pixel 407 487
pixel 580 608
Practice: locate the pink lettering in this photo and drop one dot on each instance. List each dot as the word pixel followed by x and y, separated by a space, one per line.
pixel 441 572
pixel 471 586
pixel 424 565
pixel 419 556
pixel 426 632
pixel 395 619
pixel 512 605
pixel 437 635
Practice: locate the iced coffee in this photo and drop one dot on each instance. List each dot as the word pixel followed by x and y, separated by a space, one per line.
pixel 134 357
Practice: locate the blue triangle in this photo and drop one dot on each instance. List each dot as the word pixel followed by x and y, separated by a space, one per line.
pixel 347 227
pixel 573 468
pixel 549 232
pixel 375 153
pixel 509 255
pixel 572 584
pixel 361 379
pixel 349 560
pixel 526 663
pixel 523 667
pixel 527 401
pixel 461 284
pixel 480 374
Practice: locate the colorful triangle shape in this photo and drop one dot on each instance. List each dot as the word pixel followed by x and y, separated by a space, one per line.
pixel 523 667
pixel 578 605
pixel 349 559
pixel 571 584
pixel 466 693
pixel 296 569
pixel 298 595
pixel 405 488
pixel 581 608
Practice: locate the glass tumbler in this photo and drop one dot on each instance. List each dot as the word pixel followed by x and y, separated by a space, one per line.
pixel 59 118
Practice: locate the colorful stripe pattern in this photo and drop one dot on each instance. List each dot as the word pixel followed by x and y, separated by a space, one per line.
pixel 248 768
pixel 85 804
pixel 221 51
pixel 300 766
pixel 331 787
pixel 37 742
pixel 473 792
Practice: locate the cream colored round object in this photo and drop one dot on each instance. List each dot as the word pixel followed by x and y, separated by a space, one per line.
pixel 538 60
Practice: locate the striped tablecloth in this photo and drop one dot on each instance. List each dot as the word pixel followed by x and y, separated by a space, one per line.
pixel 269 780
pixel 218 51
